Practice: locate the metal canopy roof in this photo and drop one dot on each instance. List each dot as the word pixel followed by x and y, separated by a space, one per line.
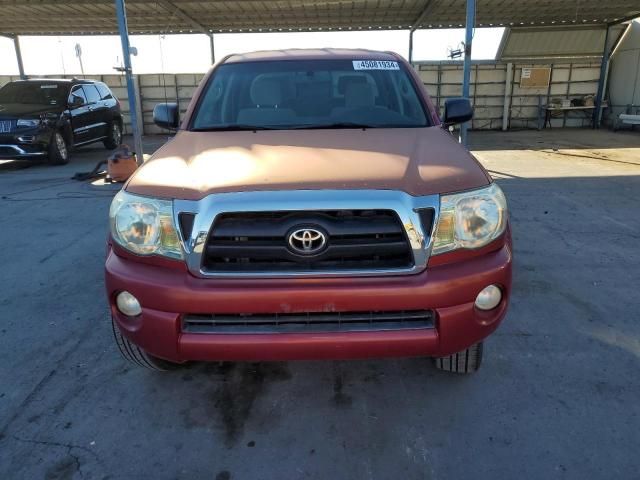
pixel 58 17
pixel 547 42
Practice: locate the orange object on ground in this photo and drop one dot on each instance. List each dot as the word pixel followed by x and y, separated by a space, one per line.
pixel 122 164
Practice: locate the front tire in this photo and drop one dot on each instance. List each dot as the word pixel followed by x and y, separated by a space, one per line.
pixel 114 138
pixel 58 149
pixel 465 362
pixel 131 352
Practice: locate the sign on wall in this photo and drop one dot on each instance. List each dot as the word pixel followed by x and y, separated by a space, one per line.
pixel 535 77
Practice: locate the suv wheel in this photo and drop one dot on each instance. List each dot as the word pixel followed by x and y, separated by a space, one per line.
pixel 114 137
pixel 467 361
pixel 58 149
pixel 136 355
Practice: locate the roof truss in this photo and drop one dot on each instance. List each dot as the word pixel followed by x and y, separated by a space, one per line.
pixel 41 17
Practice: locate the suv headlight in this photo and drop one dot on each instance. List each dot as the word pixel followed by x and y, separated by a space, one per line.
pixel 144 225
pixel 470 219
pixel 28 122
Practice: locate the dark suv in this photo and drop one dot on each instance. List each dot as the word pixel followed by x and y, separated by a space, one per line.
pixel 46 118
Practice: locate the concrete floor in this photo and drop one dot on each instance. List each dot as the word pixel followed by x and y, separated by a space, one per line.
pixel 557 396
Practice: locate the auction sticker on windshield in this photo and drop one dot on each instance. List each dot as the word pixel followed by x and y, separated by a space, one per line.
pixel 375 65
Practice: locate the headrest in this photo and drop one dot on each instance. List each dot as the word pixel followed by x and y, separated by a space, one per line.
pixel 266 91
pixel 316 90
pixel 359 95
pixel 346 80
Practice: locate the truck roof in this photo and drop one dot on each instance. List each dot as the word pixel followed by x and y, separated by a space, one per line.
pixel 312 54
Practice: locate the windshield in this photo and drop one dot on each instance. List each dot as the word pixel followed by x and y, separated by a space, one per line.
pixel 36 93
pixel 296 94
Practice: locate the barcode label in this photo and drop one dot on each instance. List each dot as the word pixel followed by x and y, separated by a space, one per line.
pixel 375 65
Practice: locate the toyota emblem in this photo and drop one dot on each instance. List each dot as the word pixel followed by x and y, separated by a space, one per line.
pixel 307 241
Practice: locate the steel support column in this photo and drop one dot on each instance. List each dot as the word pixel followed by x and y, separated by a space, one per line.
pixel 506 108
pixel 606 53
pixel 213 49
pixel 131 89
pixel 411 45
pixel 426 11
pixel 466 74
pixel 16 46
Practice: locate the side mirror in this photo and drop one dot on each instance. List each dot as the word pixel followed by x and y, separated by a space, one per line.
pixel 166 115
pixel 457 110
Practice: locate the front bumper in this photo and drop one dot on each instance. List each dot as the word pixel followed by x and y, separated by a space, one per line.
pixel 25 143
pixel 167 293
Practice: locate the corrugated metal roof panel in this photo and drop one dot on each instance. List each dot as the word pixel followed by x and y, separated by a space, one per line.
pixel 555 42
pixel 172 16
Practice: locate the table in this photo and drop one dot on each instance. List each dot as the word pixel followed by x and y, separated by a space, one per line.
pixel 545 111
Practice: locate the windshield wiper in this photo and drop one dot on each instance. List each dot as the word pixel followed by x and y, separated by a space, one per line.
pixel 335 125
pixel 233 128
pixel 310 126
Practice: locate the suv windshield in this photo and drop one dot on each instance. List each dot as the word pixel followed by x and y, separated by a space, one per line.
pixel 299 94
pixel 36 93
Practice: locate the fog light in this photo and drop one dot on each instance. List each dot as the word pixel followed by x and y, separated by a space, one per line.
pixel 128 304
pixel 489 298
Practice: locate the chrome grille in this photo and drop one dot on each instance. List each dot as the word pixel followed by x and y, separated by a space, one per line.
pixel 255 242
pixel 197 217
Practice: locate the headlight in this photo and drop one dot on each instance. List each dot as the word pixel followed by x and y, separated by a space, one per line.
pixel 144 225
pixel 470 219
pixel 28 122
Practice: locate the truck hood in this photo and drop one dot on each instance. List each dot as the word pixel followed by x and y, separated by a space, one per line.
pixel 418 161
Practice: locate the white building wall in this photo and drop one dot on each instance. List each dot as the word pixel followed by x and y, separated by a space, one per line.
pixel 624 73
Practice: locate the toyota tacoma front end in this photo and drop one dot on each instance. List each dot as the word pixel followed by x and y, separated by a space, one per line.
pixel 311 206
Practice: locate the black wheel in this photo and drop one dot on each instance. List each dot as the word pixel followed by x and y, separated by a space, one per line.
pixel 136 355
pixel 114 136
pixel 467 361
pixel 58 149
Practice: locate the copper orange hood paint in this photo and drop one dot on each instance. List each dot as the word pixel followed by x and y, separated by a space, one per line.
pixel 418 161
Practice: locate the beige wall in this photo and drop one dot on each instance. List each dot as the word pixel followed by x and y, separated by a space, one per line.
pixel 488 84
pixel 442 79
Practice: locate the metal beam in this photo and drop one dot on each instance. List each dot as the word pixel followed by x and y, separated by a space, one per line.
pixel 411 46
pixel 506 107
pixel 603 72
pixel 466 74
pixel 416 23
pixel 213 49
pixel 16 46
pixel 428 8
pixel 121 14
pixel 628 18
pixel 173 9
pixel 32 17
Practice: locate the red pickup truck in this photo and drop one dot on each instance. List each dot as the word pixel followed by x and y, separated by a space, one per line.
pixel 312 205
